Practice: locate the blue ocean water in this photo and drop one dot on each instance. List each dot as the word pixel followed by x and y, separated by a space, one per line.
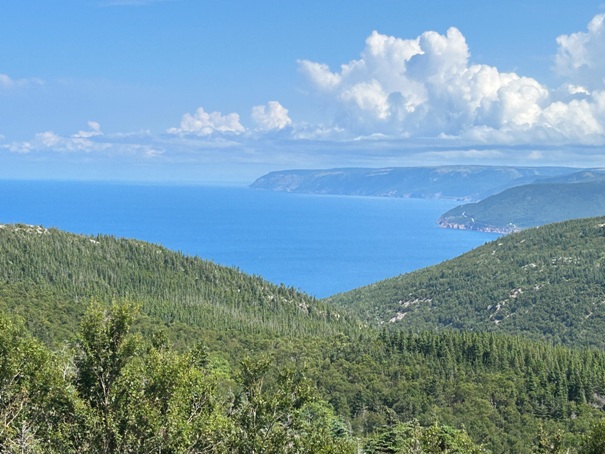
pixel 320 244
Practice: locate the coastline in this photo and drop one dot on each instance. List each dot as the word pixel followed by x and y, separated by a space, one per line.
pixel 443 223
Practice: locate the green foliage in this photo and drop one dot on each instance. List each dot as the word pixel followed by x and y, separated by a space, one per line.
pixel 38 408
pixel 286 417
pixel 105 349
pixel 261 368
pixel 412 438
pixel 166 403
pixel 503 390
pixel 594 442
pixel 124 395
pixel 49 277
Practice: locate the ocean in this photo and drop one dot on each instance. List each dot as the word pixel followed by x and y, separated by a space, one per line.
pixel 320 244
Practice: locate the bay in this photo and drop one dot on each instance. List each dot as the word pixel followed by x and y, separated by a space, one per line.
pixel 318 243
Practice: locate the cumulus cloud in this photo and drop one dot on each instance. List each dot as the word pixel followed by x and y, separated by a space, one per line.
pixel 320 75
pixel 204 123
pixel 426 87
pixel 580 55
pixel 271 116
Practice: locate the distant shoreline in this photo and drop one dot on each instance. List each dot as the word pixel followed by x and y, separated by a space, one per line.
pixel 476 228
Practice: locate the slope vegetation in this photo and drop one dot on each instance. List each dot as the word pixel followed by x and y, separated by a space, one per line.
pixel 49 277
pixel 545 282
pixel 263 368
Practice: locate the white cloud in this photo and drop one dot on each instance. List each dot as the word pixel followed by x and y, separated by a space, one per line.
pixel 426 87
pixel 580 55
pixel 465 155
pixel 576 118
pixel 576 89
pixel 368 97
pixel 271 116
pixel 50 141
pixel 402 101
pixel 517 103
pixel 203 123
pixel 8 82
pixel 95 130
pixel 320 74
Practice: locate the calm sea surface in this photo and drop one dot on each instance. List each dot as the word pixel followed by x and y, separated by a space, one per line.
pixel 320 244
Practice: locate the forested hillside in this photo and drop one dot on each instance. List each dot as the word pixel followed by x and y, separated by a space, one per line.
pixel 544 283
pixel 49 277
pixel 113 391
pixel 218 361
pixel 531 205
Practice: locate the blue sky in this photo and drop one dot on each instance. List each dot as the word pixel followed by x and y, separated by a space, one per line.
pixel 195 90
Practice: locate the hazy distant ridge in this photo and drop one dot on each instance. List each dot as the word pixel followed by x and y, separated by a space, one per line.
pixel 453 182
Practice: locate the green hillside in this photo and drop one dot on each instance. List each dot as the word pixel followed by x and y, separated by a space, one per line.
pixel 58 274
pixel 545 282
pixel 218 361
pixel 447 392
pixel 531 205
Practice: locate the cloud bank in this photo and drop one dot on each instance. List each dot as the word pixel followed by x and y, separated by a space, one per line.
pixel 403 101
pixel 81 141
pixel 426 87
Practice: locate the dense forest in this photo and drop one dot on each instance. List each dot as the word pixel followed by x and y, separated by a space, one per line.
pixel 59 274
pixel 113 345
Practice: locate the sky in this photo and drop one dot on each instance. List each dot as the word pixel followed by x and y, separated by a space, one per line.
pixel 225 91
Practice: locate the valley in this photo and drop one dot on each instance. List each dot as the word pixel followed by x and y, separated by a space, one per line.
pixel 491 365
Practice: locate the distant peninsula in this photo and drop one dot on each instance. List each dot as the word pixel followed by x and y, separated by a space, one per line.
pixel 464 183
pixel 499 199
pixel 578 195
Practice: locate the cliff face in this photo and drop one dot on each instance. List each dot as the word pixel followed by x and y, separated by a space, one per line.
pixel 464 183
